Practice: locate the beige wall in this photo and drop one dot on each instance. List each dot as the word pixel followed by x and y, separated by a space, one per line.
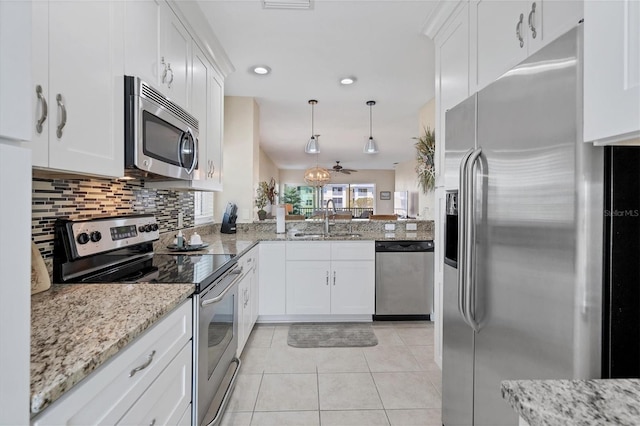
pixel 241 157
pixel 406 178
pixel 267 168
pixel 384 180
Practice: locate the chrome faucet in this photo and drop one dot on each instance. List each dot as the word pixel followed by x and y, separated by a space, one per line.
pixel 326 215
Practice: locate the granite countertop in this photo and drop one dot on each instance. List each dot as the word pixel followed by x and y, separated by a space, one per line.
pixel 75 328
pixel 242 241
pixel 575 402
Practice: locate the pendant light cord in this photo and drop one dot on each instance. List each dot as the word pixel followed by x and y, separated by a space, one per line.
pixel 370 121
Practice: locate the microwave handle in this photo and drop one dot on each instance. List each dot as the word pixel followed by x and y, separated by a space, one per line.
pixel 195 150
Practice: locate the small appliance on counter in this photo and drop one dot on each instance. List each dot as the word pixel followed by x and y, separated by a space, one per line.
pixel 229 219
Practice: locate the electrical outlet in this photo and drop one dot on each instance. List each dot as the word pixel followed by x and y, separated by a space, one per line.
pixel 412 226
pixel 180 220
pixel 389 227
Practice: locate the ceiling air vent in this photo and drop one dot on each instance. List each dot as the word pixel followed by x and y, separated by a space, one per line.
pixel 287 4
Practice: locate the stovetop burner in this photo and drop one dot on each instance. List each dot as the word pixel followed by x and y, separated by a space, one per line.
pixel 120 250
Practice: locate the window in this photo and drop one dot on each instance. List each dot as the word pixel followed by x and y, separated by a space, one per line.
pixel 355 198
pixel 203 207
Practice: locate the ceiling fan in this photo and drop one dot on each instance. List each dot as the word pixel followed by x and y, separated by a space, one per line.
pixel 339 169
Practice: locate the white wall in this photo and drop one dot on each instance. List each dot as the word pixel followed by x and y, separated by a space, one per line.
pixel 384 180
pixel 406 177
pixel 267 169
pixel 241 157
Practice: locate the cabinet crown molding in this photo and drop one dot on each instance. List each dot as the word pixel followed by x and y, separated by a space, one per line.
pixel 438 17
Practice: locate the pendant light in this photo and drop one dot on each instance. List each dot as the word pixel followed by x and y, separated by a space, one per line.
pixel 317 176
pixel 313 146
pixel 371 147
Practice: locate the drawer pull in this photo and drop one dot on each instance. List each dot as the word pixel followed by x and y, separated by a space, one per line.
pixel 143 366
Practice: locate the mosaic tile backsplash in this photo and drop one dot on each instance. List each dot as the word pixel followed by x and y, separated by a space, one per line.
pixel 87 198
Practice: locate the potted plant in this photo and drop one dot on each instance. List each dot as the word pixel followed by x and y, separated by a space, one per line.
pixel 262 199
pixel 425 151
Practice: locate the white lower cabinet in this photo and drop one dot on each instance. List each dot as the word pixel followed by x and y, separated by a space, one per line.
pixel 247 296
pixel 271 278
pixel 353 286
pixel 163 403
pixel 308 288
pixel 336 278
pixel 149 379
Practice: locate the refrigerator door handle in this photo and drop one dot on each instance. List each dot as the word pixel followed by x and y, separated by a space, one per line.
pixel 462 203
pixel 470 241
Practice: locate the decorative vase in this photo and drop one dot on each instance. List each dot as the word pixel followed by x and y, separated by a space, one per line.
pixel 262 214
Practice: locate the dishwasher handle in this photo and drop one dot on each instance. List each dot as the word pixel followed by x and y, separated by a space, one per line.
pixel 404 246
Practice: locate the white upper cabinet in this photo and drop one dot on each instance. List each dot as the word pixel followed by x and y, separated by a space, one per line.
pixel 175 57
pixel 207 99
pixel 452 75
pixel 504 33
pixel 15 65
pixel 142 28
pixel 78 83
pixel 612 72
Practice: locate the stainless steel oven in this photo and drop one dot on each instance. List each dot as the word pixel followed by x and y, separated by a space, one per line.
pixel 215 344
pixel 120 249
pixel 161 138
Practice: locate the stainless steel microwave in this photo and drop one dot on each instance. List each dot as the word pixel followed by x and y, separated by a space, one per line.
pixel 161 138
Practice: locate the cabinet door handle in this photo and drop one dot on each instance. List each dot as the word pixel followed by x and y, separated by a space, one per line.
pixel 63 115
pixel 153 422
pixel 43 103
pixel 327 277
pixel 532 17
pixel 167 68
pixel 519 30
pixel 334 277
pixel 143 366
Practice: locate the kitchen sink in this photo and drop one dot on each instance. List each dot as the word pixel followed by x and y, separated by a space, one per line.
pixel 345 235
pixel 334 235
pixel 305 235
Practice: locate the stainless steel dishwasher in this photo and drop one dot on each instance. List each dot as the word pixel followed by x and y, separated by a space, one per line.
pixel 404 280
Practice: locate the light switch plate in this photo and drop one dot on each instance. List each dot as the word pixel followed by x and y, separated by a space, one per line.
pixel 412 226
pixel 389 227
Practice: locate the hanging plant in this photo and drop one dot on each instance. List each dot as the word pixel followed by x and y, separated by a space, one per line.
pixel 425 151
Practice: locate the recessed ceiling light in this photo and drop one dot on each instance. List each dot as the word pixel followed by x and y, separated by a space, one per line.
pixel 261 69
pixel 347 81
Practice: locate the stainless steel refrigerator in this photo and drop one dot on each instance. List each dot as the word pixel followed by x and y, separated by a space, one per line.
pixel 523 237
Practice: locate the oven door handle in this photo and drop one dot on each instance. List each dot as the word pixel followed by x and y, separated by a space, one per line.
pixel 238 273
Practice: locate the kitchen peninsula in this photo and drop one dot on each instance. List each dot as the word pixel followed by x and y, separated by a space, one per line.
pixel 80 328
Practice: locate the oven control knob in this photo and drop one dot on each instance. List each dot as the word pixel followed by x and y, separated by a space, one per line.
pixel 82 238
pixel 96 236
pixel 141 228
pixel 154 226
pixel 147 228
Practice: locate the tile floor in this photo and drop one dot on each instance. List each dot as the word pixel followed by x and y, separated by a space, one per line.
pixel 395 383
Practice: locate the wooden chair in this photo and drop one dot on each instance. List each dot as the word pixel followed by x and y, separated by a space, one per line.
pixel 294 217
pixel 383 217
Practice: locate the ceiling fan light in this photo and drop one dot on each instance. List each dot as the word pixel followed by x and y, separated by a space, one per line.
pixel 371 147
pixel 313 146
